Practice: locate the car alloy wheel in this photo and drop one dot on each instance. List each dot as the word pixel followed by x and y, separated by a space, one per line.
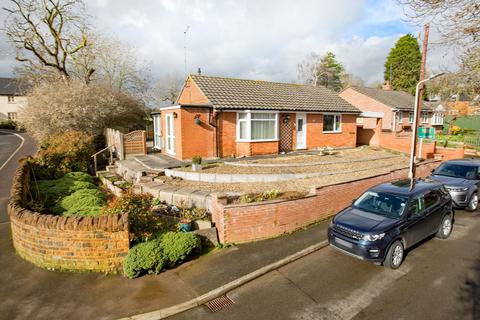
pixel 473 204
pixel 446 227
pixel 397 255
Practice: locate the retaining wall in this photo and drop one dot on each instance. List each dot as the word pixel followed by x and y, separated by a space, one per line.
pixel 249 222
pixel 65 243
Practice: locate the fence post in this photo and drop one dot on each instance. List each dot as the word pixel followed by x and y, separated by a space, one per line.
pixel 121 152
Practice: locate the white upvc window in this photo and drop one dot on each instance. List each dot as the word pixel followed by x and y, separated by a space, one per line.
pixel 12 115
pixel 399 116
pixel 11 99
pixel 332 123
pixel 437 118
pixel 410 117
pixel 424 117
pixel 257 126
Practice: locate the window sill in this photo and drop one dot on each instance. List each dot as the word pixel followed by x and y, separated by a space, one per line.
pixel 330 132
pixel 264 140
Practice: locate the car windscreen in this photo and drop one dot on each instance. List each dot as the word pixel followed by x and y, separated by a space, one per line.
pixel 383 204
pixel 457 171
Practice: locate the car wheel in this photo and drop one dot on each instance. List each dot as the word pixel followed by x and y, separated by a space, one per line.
pixel 473 203
pixel 394 257
pixel 445 228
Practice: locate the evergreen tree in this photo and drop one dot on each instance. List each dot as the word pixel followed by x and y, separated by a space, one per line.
pixel 322 71
pixel 402 68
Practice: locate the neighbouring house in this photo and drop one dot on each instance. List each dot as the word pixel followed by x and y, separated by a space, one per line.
pixel 218 117
pixel 11 99
pixel 394 107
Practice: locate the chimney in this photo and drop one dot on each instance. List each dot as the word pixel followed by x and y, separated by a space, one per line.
pixel 387 86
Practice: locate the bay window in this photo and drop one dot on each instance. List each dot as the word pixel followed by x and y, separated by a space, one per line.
pixel 257 126
pixel 332 123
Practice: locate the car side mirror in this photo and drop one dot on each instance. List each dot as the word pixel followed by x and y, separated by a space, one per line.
pixel 433 171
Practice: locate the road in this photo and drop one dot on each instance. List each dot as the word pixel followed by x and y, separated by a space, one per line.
pixel 440 279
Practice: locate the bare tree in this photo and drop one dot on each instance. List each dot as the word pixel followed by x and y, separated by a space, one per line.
pixel 457 20
pixel 48 34
pixel 167 89
pixel 321 71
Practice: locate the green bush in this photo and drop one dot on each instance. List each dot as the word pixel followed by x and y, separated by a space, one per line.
pixel 64 152
pixel 78 176
pixel 144 257
pixel 49 192
pixel 197 160
pixel 8 124
pixel 167 250
pixel 143 223
pixel 177 246
pixel 84 202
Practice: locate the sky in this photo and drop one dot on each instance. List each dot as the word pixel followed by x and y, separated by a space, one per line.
pixel 253 39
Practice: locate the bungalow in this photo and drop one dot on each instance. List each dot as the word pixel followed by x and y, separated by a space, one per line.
pixel 11 99
pixel 224 117
pixel 394 107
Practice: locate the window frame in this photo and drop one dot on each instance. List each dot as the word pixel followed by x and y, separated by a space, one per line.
pixel 11 99
pixel 339 129
pixel 422 118
pixel 411 117
pixel 9 116
pixel 399 117
pixel 437 116
pixel 248 121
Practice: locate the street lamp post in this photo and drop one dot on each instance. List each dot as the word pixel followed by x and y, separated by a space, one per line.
pixel 413 148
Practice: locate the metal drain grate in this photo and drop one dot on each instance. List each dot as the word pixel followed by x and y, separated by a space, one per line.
pixel 219 303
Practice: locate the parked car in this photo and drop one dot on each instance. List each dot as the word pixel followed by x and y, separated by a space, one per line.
pixel 462 179
pixel 390 218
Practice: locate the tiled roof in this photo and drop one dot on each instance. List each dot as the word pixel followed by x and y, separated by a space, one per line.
pixel 395 99
pixel 230 93
pixel 9 87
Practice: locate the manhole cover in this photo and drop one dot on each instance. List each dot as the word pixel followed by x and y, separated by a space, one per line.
pixel 219 303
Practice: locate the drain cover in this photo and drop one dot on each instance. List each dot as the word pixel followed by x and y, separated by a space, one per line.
pixel 219 303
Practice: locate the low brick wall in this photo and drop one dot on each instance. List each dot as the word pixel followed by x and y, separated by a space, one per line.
pixel 65 243
pixel 249 222
pixel 450 153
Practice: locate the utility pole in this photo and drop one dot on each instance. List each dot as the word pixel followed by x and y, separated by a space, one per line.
pixel 418 101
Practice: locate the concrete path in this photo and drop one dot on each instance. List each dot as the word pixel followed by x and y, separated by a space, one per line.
pixel 28 292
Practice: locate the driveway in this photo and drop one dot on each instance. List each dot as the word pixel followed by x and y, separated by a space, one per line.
pixel 440 279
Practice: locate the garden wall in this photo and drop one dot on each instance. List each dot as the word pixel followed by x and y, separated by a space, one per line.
pixel 65 243
pixel 249 222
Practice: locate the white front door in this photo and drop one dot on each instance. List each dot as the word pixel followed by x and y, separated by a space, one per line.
pixel 169 133
pixel 301 127
pixel 157 131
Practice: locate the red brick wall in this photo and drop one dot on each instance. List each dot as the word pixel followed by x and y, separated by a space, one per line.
pixel 66 243
pixel 450 153
pixel 227 125
pixel 403 144
pixel 196 140
pixel 191 94
pixel 249 222
pixel 316 138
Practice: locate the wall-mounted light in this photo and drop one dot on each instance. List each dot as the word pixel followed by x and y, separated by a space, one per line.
pixel 197 119
pixel 286 118
pixel 174 115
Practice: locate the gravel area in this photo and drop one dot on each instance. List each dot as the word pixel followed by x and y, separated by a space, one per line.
pixel 226 169
pixel 343 155
pixel 302 185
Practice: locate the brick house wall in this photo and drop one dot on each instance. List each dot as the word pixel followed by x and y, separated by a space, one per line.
pixel 251 222
pixel 365 103
pixel 316 138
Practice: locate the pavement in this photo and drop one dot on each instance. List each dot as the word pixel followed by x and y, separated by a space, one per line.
pixel 29 292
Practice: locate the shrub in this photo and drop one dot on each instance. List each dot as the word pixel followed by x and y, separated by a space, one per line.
pixel 65 152
pixel 78 176
pixel 143 223
pixel 144 257
pixel 8 124
pixel 177 246
pixel 455 130
pixel 84 202
pixel 197 160
pixel 167 250
pixel 48 192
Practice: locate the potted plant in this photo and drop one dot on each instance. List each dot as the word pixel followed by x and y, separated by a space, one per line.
pixel 185 224
pixel 197 163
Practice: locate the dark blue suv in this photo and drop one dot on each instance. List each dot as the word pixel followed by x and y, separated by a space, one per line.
pixel 391 217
